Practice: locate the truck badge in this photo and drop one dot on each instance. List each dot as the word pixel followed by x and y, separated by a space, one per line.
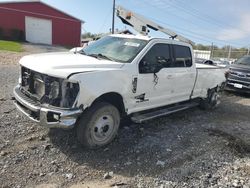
pixel 134 85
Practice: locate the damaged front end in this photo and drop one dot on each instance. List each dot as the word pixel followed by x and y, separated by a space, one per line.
pixel 48 100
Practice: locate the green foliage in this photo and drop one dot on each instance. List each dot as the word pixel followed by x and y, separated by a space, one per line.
pixel 17 35
pixel 201 47
pixel 91 35
pixel 10 46
pixel 1 33
pixel 222 52
pixel 88 35
pixel 12 34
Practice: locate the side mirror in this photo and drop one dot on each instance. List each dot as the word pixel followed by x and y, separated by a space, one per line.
pixel 144 63
pixel 146 67
pixel 143 66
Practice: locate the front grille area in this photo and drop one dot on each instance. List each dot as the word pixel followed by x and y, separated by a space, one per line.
pixel 242 78
pixel 32 83
pixel 47 89
pixel 233 69
pixel 239 75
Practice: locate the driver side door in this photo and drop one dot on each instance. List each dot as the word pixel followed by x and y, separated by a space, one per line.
pixel 153 85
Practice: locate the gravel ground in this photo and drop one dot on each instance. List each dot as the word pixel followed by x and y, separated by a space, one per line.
pixel 193 148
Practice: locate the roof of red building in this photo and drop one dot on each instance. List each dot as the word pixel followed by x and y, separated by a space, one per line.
pixel 39 1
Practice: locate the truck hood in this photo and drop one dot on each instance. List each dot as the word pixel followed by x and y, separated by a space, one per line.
pixel 241 68
pixel 63 64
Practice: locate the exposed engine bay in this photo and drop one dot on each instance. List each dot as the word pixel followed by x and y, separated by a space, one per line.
pixel 49 90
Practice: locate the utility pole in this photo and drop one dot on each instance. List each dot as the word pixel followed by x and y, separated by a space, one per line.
pixel 113 19
pixel 248 50
pixel 229 52
pixel 212 51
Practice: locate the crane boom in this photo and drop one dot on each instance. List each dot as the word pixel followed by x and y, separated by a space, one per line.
pixel 142 25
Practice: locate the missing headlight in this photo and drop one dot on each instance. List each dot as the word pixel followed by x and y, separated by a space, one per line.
pixel 61 93
pixel 69 93
pixel 54 90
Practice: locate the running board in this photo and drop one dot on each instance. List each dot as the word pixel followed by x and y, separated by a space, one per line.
pixel 139 118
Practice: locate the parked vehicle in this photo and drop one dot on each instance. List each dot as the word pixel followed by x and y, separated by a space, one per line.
pixel 238 76
pixel 222 63
pixel 204 61
pixel 115 77
pixel 218 63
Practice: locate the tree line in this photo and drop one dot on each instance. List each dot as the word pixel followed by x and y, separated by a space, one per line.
pixel 224 51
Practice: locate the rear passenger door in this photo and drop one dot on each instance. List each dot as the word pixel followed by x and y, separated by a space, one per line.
pixel 183 73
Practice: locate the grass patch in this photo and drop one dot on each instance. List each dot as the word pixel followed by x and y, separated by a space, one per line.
pixel 10 46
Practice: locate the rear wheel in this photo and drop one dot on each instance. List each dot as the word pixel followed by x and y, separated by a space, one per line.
pixel 98 126
pixel 212 100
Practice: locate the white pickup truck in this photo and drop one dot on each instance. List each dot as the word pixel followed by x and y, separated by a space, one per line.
pixel 117 76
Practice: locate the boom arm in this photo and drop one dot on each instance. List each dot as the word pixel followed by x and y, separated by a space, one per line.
pixel 141 24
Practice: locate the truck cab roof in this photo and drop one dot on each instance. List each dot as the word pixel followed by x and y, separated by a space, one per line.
pixel 148 38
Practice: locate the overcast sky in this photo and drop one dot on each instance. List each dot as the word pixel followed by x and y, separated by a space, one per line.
pixel 223 22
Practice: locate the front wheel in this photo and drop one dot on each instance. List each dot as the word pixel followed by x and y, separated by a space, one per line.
pixel 212 100
pixel 99 125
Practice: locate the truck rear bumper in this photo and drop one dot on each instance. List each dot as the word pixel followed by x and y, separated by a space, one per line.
pixel 46 116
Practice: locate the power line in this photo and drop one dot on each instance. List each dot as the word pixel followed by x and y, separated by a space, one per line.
pixel 196 35
pixel 105 20
pixel 189 21
pixel 170 13
pixel 201 16
pixel 205 16
pixel 193 34
pixel 176 15
pixel 221 41
pixel 192 13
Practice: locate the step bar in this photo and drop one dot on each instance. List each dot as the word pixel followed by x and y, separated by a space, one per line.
pixel 142 117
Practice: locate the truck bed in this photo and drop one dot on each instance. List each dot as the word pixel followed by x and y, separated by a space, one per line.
pixel 208 76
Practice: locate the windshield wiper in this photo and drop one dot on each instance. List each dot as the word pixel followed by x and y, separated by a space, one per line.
pixel 100 56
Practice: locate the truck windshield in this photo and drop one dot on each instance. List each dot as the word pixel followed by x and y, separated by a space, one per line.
pixel 243 61
pixel 115 48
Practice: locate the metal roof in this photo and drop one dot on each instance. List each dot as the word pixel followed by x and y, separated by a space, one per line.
pixel 39 1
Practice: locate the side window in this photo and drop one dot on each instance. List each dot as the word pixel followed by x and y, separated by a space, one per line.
pixel 183 56
pixel 157 57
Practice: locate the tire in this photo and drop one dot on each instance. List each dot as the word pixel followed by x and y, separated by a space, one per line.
pixel 212 100
pixel 98 126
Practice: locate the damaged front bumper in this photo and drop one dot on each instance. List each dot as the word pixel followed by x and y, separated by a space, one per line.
pixel 47 116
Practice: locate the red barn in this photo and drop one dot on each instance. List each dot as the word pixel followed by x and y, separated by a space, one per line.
pixel 37 22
